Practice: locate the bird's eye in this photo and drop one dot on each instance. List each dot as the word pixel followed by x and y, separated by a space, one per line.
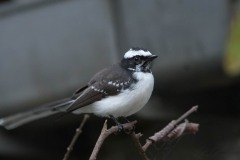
pixel 136 59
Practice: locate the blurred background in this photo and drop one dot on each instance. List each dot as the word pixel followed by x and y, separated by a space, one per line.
pixel 49 48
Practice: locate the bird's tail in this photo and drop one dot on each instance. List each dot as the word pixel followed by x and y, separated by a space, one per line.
pixel 16 120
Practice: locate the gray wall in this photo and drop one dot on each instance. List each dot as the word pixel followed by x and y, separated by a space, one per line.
pixel 50 48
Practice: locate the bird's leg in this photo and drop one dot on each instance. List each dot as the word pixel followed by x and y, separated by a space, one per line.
pixel 128 131
pixel 120 126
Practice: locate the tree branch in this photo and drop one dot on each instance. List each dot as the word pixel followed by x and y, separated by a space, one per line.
pixel 172 131
pixel 170 128
pixel 75 137
pixel 182 129
pixel 107 132
pixel 135 137
pixel 179 130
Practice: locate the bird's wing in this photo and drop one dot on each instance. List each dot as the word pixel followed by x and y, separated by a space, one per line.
pixel 103 84
pixel 78 92
pixel 87 97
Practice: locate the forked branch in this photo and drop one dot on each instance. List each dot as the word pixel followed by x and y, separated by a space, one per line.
pixel 172 131
pixel 107 132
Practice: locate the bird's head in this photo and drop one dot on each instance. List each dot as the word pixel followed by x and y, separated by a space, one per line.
pixel 138 60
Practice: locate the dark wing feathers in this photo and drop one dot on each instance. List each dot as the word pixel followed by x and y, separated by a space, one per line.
pixel 87 97
pixel 78 92
pixel 99 86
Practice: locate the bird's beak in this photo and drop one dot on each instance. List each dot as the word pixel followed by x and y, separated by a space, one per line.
pixel 152 57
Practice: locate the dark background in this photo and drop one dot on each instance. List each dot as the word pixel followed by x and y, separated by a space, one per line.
pixel 49 48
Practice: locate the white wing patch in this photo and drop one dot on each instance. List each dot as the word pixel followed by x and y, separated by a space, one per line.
pixel 98 90
pixel 118 84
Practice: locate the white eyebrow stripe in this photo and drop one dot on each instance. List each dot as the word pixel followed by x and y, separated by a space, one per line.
pixel 132 53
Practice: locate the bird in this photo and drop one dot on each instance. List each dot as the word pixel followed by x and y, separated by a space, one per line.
pixel 119 90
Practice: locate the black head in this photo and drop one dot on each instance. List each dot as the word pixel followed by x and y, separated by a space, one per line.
pixel 138 60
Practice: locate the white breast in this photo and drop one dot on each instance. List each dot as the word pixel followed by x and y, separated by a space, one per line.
pixel 126 103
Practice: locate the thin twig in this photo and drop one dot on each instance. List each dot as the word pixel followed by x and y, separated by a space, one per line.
pixel 75 137
pixel 159 136
pixel 107 132
pixel 186 114
pixel 182 129
pixel 135 137
pixel 170 132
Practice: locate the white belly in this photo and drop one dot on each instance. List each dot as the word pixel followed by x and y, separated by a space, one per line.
pixel 126 103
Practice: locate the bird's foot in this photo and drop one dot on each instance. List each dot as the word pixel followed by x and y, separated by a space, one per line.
pixel 128 131
pixel 119 125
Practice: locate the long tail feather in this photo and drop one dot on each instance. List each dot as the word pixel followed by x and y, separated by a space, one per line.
pixel 16 120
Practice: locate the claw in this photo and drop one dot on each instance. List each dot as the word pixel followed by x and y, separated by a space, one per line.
pixel 128 131
pixel 120 126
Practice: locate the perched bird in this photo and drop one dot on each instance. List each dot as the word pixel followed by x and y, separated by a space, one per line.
pixel 119 90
